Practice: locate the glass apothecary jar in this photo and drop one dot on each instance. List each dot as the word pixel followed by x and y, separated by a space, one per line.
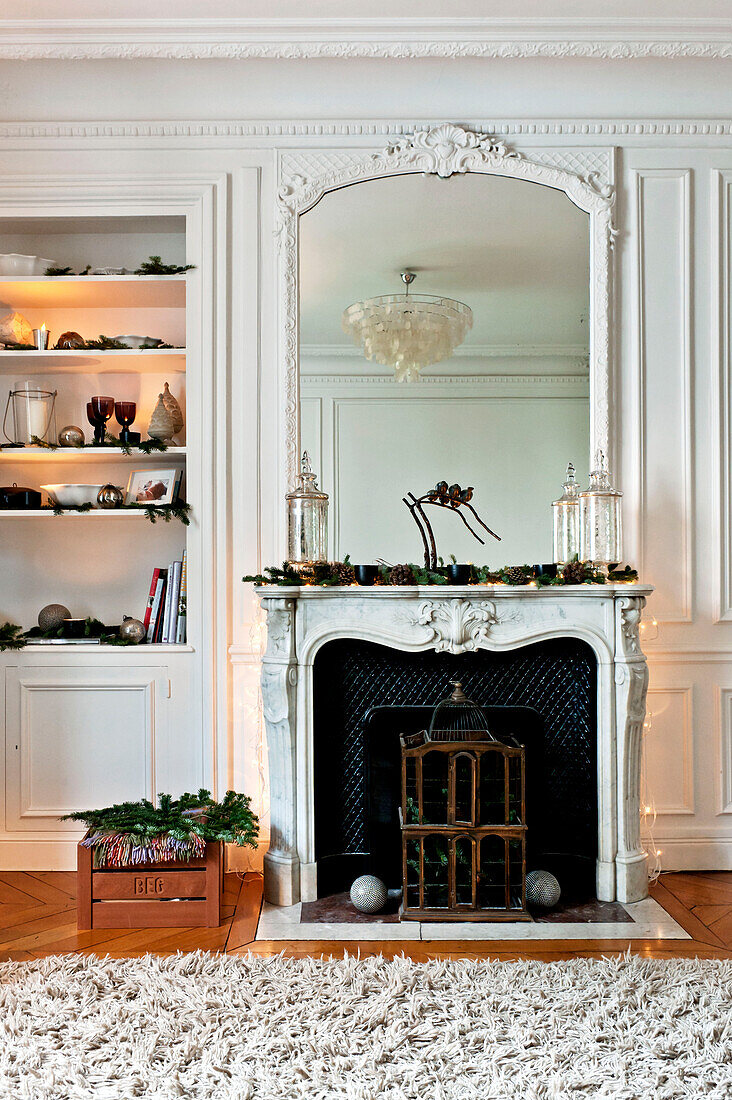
pixel 307 521
pixel 566 514
pixel 601 527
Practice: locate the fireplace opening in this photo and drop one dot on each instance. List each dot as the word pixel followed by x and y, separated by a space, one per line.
pixel 366 694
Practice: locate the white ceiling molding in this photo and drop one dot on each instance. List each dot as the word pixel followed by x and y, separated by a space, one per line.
pixel 289 132
pixel 607 39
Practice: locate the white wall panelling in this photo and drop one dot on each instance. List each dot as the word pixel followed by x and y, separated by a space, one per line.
pixel 721 320
pixel 662 325
pixel 678 167
pixel 669 736
pixel 724 725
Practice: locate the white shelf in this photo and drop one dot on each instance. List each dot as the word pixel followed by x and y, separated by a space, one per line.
pixel 88 454
pixel 86 649
pixel 110 291
pixel 95 513
pixel 133 360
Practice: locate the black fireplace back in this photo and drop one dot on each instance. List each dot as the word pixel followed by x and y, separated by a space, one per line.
pixel 366 694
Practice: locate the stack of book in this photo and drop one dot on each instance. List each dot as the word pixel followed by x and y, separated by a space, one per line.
pixel 165 614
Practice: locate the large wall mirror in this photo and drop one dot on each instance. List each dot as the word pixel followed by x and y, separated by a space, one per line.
pixel 505 393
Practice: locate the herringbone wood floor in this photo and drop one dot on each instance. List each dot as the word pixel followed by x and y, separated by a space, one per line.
pixel 38 918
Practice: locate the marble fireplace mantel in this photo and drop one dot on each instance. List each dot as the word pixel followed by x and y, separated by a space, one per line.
pixel 453 619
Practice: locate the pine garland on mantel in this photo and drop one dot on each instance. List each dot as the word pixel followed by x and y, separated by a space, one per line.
pixel 131 833
pixel 329 574
pixel 11 637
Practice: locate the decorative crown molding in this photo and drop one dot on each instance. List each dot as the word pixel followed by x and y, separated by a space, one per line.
pixel 286 133
pixel 396 38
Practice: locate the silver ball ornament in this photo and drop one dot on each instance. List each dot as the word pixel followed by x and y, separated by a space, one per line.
pixel 52 616
pixel 109 496
pixel 132 630
pixel 368 894
pixel 542 889
pixel 71 436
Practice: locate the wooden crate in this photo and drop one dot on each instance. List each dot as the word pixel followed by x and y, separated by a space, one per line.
pixel 150 895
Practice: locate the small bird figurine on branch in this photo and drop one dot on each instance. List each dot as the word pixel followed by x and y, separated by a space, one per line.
pixel 452 497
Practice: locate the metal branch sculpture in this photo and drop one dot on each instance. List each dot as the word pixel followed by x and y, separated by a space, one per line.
pixel 451 497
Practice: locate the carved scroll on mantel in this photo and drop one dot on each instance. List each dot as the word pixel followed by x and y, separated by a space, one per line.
pixel 279 706
pixel 457 626
pixel 444 150
pixel 453 620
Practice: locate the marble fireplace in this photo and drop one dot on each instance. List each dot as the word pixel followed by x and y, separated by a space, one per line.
pixel 322 642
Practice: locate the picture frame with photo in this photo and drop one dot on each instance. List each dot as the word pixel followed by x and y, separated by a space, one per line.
pixel 153 487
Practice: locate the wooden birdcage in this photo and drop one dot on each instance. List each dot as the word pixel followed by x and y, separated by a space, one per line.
pixel 463 820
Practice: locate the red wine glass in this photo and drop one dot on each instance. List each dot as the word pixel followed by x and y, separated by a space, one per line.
pixel 125 412
pixel 102 409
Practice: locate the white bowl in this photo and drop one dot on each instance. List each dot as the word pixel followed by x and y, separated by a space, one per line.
pixel 71 496
pixel 131 341
pixel 11 263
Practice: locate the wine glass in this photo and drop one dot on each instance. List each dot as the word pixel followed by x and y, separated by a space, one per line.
pixel 102 409
pixel 125 412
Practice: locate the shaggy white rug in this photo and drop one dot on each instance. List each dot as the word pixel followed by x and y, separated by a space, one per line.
pixel 240 1028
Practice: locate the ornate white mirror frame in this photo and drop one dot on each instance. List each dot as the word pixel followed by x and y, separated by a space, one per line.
pixel 443 151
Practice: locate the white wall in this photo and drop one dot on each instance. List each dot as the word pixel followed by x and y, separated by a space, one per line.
pixel 672 324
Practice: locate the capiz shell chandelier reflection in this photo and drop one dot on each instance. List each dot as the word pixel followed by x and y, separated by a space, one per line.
pixel 408 331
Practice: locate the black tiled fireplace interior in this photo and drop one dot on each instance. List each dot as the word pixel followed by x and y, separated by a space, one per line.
pixel 544 693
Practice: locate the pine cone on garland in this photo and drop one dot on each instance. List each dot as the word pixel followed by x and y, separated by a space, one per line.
pixel 574 572
pixel 516 575
pixel 345 572
pixel 402 574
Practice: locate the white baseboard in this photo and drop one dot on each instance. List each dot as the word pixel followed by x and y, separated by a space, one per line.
pixel 695 854
pixel 38 855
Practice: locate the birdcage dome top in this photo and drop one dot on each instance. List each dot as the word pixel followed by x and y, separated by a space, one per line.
pixel 458 718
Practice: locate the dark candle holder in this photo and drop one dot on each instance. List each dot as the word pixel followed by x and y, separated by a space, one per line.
pixel 98 411
pixel 125 412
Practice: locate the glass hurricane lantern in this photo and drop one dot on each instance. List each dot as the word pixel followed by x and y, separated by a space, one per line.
pixel 307 522
pixel 601 528
pixel 566 512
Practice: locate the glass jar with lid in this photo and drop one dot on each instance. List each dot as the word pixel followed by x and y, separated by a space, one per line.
pixel 601 528
pixel 566 510
pixel 307 521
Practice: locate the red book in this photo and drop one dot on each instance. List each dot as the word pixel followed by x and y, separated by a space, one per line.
pixel 150 599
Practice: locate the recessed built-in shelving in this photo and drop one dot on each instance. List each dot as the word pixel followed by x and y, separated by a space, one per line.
pixel 87 454
pixel 100 291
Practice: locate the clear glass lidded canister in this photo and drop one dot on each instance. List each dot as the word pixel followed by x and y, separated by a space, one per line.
pixel 601 527
pixel 307 520
pixel 566 511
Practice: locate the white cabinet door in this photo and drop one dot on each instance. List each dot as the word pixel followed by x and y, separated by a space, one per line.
pixel 80 738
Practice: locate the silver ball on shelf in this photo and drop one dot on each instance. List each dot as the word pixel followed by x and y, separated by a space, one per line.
pixel 132 630
pixel 71 436
pixel 109 496
pixel 52 616
pixel 542 889
pixel 368 894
